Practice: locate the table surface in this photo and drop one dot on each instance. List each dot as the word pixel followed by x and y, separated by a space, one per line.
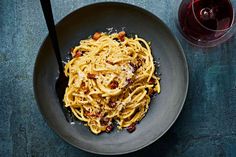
pixel 206 126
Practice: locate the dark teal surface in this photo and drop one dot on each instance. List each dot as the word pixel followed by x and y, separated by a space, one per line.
pixel 205 128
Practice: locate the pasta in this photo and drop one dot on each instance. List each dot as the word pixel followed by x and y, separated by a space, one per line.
pixel 111 79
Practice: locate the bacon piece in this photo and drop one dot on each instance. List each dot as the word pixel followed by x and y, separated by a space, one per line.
pixel 78 54
pixel 121 35
pixel 109 128
pixel 151 92
pixel 104 120
pixel 152 81
pixel 111 104
pixel 91 76
pixel 84 88
pixel 113 84
pixel 92 114
pixel 131 128
pixel 96 35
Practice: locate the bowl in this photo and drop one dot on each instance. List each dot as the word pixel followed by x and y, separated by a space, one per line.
pixel 164 108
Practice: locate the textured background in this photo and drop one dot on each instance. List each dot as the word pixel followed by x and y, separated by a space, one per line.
pixel 205 128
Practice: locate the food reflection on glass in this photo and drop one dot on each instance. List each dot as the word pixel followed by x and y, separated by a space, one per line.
pixel 111 81
pixel 206 22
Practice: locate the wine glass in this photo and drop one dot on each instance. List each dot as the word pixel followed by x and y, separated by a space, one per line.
pixel 206 23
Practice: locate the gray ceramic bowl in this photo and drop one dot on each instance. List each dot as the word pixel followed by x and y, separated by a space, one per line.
pixel 164 108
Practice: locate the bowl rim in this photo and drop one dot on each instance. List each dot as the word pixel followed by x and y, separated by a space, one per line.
pixel 182 102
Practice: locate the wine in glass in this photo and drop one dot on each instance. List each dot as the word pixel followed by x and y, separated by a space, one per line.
pixel 206 23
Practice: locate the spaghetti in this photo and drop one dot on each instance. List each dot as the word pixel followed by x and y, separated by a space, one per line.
pixel 111 79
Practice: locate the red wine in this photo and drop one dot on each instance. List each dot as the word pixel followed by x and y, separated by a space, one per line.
pixel 205 20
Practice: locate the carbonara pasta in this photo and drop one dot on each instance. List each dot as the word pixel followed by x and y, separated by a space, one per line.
pixel 111 79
